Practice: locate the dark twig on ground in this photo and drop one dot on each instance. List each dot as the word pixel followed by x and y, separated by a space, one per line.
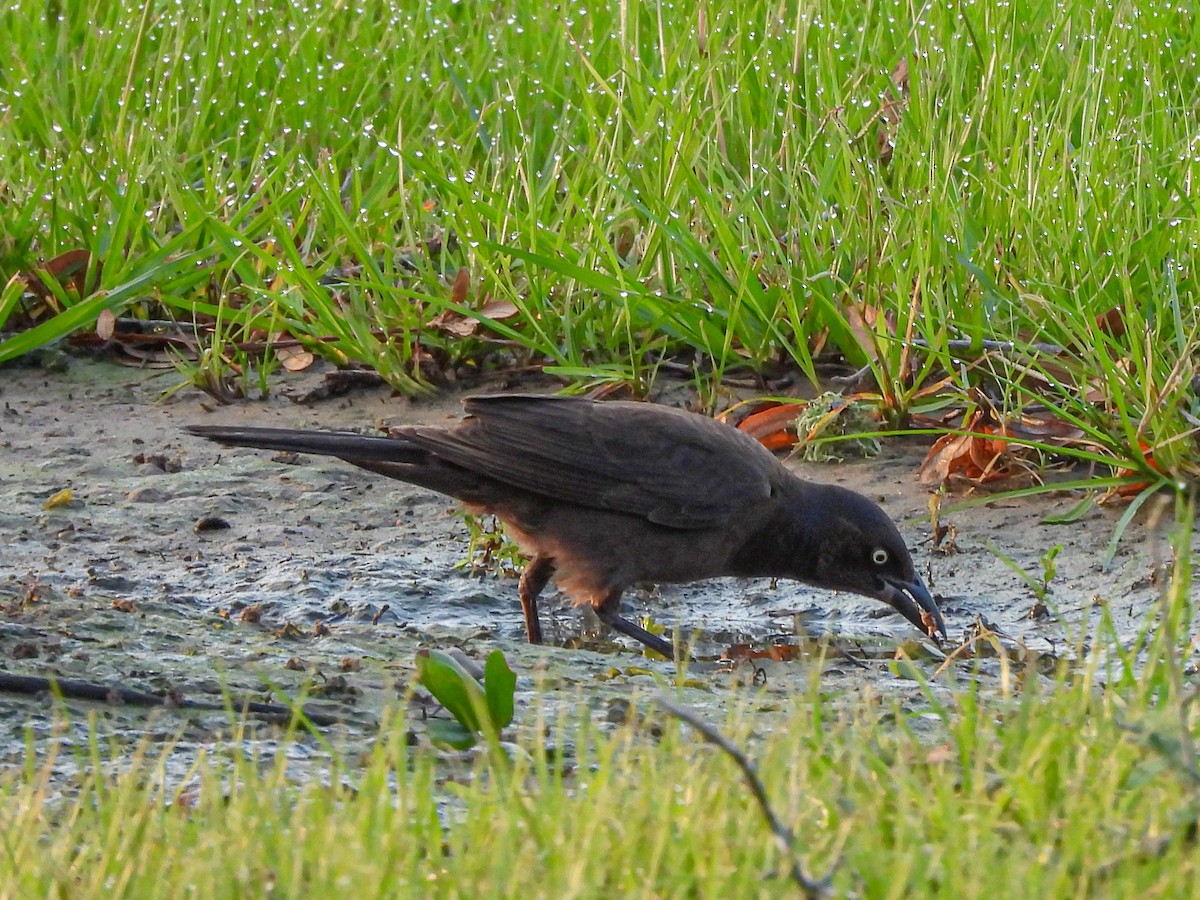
pixel 75 689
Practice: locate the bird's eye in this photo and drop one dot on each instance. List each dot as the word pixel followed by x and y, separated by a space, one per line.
pixel 880 556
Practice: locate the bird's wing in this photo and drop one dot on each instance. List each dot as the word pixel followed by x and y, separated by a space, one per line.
pixel 671 467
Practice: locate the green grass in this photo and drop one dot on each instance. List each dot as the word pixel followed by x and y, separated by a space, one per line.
pixel 693 182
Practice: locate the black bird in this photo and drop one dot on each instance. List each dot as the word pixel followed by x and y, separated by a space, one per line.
pixel 604 495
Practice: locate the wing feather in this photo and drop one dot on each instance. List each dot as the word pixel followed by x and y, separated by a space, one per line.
pixel 671 467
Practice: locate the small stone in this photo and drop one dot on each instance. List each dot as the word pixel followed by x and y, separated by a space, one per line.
pixel 210 523
pixel 618 711
pixel 146 494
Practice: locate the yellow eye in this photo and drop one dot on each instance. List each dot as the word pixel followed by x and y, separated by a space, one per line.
pixel 880 556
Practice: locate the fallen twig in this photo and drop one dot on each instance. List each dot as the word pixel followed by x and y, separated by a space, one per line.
pixel 854 381
pixel 75 689
pixel 812 887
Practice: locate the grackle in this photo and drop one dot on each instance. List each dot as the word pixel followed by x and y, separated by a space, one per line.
pixel 604 495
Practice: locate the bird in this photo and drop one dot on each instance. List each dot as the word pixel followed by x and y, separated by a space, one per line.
pixel 602 495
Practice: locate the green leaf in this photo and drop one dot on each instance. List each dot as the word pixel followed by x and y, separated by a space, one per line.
pixel 447 733
pixel 452 686
pixel 1073 514
pixel 499 683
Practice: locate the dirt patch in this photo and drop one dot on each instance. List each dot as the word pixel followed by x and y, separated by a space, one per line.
pixel 327 578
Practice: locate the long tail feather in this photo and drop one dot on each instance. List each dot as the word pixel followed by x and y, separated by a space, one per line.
pixel 345 445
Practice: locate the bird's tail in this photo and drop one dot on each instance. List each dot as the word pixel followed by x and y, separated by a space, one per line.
pixel 356 448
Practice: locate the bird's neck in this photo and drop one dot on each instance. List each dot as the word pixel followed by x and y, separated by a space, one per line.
pixel 786 546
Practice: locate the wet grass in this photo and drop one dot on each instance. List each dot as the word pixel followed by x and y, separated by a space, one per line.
pixel 602 190
pixel 1076 783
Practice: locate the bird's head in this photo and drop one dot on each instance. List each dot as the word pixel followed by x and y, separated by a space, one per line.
pixel 861 551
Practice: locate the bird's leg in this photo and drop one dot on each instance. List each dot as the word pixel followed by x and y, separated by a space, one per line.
pixel 606 609
pixel 533 579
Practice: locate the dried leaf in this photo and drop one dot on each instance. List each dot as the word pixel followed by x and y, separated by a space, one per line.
pixel 462 286
pixel 1112 322
pixel 294 359
pixel 941 754
pixel 777 652
pixel 773 426
pixel 862 320
pixel 943 458
pixel 891 111
pixel 449 321
pixel 106 324
pixel 976 458
pixel 623 241
pixel 68 269
pixel 62 498
pixel 862 333
pixel 900 76
pixel 499 310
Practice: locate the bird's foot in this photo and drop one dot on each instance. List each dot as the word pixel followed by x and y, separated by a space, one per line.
pixel 627 628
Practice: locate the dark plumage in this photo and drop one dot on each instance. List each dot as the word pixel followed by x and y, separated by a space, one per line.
pixel 603 495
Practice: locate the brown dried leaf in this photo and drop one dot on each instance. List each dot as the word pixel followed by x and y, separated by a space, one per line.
pixel 942 753
pixel 900 76
pixel 777 652
pixel 860 319
pixel 943 458
pixel 462 286
pixel 450 322
pixel 976 458
pixel 106 324
pixel 1112 322
pixel 891 111
pixel 68 269
pixel 294 359
pixel 499 309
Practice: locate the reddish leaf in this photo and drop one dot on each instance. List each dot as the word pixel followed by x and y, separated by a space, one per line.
pixel 1112 322
pixel 462 286
pixel 976 458
pixel 68 269
pixel 1131 490
pixel 778 652
pixel 774 426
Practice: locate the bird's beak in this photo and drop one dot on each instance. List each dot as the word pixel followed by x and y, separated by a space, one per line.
pixel 913 601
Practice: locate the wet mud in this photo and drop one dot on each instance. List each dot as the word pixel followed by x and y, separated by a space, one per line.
pixel 180 566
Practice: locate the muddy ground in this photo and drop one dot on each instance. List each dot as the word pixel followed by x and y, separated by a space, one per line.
pixel 347 574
